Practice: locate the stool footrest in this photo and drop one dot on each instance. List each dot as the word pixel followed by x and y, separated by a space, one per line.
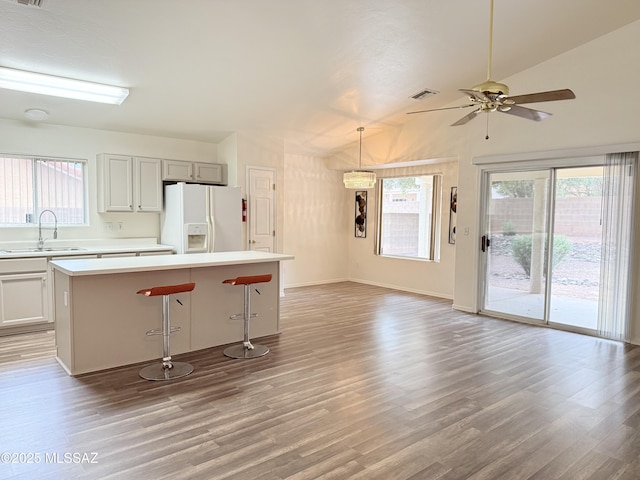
pixel 158 331
pixel 240 316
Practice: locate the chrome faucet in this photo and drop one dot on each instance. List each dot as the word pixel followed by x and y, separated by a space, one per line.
pixel 55 228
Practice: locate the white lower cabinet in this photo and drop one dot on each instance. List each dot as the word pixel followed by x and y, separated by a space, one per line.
pixel 26 290
pixel 24 297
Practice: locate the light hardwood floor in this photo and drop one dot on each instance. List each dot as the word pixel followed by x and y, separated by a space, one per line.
pixel 362 383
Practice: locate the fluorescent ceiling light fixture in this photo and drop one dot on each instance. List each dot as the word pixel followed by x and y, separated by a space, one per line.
pixel 61 87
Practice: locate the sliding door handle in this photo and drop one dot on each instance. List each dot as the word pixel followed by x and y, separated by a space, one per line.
pixel 485 243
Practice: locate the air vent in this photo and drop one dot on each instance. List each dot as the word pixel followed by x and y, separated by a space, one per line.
pixel 34 3
pixel 423 94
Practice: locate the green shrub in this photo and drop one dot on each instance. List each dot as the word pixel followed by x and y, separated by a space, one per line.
pixel 521 249
pixel 508 228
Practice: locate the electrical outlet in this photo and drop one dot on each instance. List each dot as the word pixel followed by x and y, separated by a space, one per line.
pixel 108 226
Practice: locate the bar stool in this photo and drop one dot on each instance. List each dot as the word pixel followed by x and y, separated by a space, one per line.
pixel 247 349
pixel 168 370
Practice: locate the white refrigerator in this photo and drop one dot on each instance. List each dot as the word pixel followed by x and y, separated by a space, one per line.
pixel 202 218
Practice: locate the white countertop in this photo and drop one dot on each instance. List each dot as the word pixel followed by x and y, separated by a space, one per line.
pixel 103 266
pixel 67 248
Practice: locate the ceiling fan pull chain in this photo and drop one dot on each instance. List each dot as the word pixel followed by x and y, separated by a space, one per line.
pixel 487 114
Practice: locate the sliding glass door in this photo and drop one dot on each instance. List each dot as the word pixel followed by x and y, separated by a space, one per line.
pixel 516 219
pixel 577 244
pixel 583 217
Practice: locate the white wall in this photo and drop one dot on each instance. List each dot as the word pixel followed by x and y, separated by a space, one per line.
pixel 426 277
pixel 604 75
pixel 228 154
pixel 70 142
pixel 256 149
pixel 317 223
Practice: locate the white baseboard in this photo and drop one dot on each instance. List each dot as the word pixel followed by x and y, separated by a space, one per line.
pixel 463 309
pixel 375 284
pixel 403 289
pixel 319 282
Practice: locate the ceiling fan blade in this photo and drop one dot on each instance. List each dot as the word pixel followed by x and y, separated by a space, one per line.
pixel 438 109
pixel 528 113
pixel 479 96
pixel 551 96
pixel 466 118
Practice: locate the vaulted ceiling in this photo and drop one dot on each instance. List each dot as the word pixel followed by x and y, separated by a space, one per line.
pixel 311 71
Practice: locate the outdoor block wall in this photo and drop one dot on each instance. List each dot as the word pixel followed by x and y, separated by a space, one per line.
pixel 575 217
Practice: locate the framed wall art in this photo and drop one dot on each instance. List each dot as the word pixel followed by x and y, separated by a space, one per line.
pixel 361 214
pixel 453 207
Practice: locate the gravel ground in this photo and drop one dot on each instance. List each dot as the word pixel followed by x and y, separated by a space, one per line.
pixel 577 275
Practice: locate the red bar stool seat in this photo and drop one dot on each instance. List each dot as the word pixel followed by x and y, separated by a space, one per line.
pixel 168 369
pixel 247 349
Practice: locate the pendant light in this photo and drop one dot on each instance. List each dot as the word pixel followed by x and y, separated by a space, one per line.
pixel 359 178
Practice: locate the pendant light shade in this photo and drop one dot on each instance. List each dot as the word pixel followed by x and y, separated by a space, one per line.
pixel 359 178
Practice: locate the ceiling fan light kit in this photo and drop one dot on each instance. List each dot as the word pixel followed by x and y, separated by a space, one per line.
pixel 490 96
pixel 359 179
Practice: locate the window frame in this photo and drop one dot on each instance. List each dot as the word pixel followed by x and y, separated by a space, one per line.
pixel 435 224
pixel 36 199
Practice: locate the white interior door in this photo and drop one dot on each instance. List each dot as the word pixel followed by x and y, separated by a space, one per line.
pixel 262 208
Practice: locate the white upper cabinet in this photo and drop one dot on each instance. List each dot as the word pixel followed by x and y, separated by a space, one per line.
pixel 209 173
pixel 147 191
pixel 129 184
pixel 176 170
pixel 115 183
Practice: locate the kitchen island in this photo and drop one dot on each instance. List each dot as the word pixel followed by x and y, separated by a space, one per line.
pixel 101 321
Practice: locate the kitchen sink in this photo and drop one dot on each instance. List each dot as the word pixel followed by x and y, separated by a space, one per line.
pixel 45 249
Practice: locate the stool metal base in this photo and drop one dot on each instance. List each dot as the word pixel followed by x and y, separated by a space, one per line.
pixel 159 372
pixel 243 351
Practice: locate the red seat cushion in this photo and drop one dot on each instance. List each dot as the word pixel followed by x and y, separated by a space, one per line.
pixel 249 280
pixel 167 289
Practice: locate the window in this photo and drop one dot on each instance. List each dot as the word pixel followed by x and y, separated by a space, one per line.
pixel 409 217
pixel 30 185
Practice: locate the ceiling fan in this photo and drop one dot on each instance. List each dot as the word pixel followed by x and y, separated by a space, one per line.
pixel 491 96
